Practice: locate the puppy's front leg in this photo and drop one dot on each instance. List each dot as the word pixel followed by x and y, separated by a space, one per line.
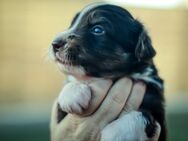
pixel 74 97
pixel 130 127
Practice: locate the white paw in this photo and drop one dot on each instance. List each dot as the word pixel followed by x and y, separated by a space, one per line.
pixel 111 135
pixel 128 127
pixel 74 98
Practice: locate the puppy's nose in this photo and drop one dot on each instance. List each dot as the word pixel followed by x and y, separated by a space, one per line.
pixel 57 44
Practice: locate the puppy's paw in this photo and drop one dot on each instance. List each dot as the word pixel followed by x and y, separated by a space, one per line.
pixel 129 127
pixel 74 98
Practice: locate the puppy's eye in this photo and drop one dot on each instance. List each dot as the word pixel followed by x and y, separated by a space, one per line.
pixel 97 30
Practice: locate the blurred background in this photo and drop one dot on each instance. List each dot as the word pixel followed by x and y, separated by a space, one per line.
pixel 29 81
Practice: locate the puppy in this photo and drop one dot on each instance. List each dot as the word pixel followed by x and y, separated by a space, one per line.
pixel 105 41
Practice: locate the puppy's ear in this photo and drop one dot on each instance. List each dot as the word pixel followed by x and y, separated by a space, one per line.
pixel 144 49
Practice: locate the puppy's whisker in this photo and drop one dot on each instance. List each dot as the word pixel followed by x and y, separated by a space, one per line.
pixel 47 54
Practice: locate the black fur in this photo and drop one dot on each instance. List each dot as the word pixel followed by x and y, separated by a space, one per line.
pixel 124 49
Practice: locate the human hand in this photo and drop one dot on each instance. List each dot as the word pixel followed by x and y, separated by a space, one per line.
pixel 77 128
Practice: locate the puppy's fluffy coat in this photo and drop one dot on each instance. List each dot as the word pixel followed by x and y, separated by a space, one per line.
pixel 105 41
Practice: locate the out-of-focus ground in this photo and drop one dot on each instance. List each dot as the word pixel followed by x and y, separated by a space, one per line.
pixel 29 81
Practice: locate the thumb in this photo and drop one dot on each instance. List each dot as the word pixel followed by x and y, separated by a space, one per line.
pixel 53 120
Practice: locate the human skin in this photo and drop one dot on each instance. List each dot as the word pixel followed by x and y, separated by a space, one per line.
pixel 110 101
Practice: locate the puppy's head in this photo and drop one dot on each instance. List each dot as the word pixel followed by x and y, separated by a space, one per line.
pixel 102 41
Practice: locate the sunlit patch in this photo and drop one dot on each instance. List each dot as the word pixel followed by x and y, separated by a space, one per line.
pixel 162 4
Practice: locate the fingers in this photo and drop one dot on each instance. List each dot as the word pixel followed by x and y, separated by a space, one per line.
pixel 135 99
pixel 157 132
pixel 53 122
pixel 99 88
pixel 114 102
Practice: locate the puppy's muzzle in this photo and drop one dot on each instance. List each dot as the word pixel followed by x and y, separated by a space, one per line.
pixel 65 41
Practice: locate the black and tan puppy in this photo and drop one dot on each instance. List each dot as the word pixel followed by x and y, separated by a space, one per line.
pixel 105 41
